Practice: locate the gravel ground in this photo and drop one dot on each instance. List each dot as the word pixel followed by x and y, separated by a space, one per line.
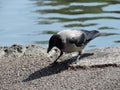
pixel 29 68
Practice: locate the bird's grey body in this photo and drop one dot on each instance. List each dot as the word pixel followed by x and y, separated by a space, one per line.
pixel 70 35
pixel 71 40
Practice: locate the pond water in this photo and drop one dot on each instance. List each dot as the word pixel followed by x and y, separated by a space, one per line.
pixel 34 21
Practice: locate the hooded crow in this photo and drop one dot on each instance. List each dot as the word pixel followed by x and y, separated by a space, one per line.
pixel 71 41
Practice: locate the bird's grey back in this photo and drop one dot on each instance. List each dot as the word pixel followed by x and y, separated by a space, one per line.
pixel 70 34
pixel 75 34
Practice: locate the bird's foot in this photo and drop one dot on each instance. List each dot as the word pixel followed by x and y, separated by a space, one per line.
pixel 78 59
pixel 76 63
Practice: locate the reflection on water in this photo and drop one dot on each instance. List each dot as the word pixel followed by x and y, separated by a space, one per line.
pixel 39 19
pixel 118 41
pixel 49 32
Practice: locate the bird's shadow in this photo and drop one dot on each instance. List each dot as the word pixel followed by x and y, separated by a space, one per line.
pixel 54 69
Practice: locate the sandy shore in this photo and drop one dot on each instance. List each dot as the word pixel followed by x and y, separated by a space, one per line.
pixel 29 68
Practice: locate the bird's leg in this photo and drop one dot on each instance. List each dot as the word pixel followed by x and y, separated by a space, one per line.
pixel 61 53
pixel 78 57
pixel 79 53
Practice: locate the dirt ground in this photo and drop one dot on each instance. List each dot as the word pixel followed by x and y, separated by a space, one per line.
pixel 29 68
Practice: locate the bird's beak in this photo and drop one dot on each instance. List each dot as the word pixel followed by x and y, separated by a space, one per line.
pixel 49 48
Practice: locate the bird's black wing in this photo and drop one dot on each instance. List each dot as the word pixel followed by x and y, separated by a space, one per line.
pixel 78 41
pixel 85 37
pixel 90 35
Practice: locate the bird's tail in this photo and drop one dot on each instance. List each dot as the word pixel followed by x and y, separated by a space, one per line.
pixel 91 34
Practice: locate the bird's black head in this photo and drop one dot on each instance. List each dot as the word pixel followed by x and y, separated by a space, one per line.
pixel 55 41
